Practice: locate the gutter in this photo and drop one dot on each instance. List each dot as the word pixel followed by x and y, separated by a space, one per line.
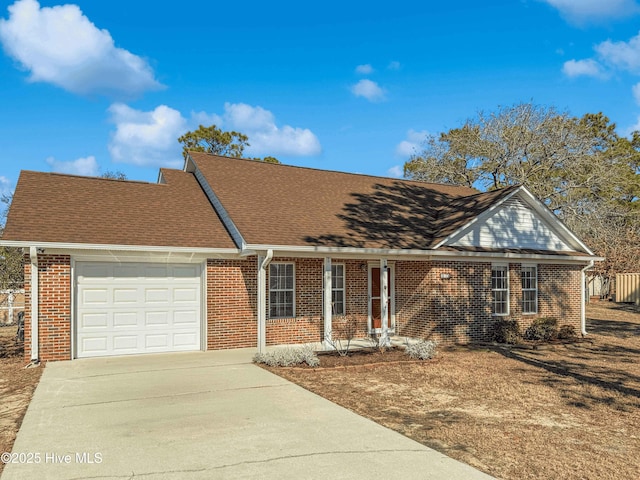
pixel 35 312
pixel 583 299
pixel 262 301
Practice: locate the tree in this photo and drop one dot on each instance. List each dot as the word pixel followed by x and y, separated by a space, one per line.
pixel 117 175
pixel 214 140
pixel 11 259
pixel 579 167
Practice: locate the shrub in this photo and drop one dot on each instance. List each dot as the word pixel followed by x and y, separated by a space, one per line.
pixel 506 331
pixel 567 332
pixel 288 356
pixel 422 350
pixel 545 328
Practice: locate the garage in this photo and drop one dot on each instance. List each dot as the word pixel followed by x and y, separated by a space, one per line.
pixel 135 308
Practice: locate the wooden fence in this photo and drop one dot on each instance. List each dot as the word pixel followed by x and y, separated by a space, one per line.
pixel 628 288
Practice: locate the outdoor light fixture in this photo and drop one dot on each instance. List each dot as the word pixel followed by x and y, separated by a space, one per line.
pixel 445 276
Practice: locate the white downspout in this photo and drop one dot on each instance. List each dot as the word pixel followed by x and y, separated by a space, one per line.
pixel 263 263
pixel 583 299
pixel 328 307
pixel 33 256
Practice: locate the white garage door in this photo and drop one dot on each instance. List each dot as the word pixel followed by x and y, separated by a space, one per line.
pixel 128 308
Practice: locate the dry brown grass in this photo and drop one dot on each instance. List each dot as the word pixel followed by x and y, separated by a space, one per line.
pixel 16 388
pixel 569 411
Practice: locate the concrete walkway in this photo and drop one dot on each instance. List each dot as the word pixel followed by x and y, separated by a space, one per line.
pixel 203 416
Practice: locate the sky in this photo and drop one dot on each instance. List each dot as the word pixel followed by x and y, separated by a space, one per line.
pixel 93 86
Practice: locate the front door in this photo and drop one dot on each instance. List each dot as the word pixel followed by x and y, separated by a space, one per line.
pixel 375 299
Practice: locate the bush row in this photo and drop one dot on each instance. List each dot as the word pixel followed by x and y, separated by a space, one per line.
pixel 541 329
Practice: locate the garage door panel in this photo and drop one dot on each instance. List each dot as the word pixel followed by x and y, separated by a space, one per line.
pixel 126 343
pixel 185 295
pixel 184 340
pixel 137 308
pixel 95 296
pixel 157 295
pixel 185 317
pixel 94 320
pixel 125 320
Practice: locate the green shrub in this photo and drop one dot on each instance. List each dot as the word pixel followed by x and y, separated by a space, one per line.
pixel 506 331
pixel 422 350
pixel 545 329
pixel 288 356
pixel 567 332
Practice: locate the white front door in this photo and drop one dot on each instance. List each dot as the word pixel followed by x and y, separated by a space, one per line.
pixel 129 308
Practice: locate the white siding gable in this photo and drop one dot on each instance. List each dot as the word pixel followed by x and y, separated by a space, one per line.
pixel 512 225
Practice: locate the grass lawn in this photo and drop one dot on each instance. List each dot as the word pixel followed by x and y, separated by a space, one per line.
pixel 562 412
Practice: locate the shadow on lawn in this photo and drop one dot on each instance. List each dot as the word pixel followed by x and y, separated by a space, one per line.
pixel 599 364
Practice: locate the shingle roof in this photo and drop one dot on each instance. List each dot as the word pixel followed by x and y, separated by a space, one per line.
pixel 50 207
pixel 284 205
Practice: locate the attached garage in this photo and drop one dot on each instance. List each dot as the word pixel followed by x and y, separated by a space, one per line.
pixel 134 308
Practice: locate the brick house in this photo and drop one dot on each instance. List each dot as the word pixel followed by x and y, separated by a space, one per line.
pixel 231 253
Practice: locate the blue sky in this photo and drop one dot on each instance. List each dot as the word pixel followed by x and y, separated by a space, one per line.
pixel 92 86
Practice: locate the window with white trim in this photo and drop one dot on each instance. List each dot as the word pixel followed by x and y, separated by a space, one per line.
pixel 281 290
pixel 500 289
pixel 529 278
pixel 337 289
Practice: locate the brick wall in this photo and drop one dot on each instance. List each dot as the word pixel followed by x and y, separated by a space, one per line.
pixel 231 303
pixel 54 300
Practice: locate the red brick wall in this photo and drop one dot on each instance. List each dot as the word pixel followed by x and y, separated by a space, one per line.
pixel 54 299
pixel 231 303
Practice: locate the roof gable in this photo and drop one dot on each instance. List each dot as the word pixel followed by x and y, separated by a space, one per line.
pixel 516 222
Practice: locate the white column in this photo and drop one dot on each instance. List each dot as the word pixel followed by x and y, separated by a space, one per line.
pixel 35 310
pixel 328 307
pixel 384 303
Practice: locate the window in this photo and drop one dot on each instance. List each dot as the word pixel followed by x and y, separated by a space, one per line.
pixel 500 289
pixel 281 290
pixel 529 277
pixel 337 289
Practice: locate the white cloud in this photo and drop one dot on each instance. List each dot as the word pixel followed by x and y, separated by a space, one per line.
pixel 369 90
pixel 636 92
pixel 151 138
pixel 147 138
pixel 576 68
pixel 61 46
pixel 82 166
pixel 5 185
pixel 394 65
pixel 397 171
pixel 365 69
pixel 265 137
pixel 412 144
pixel 622 55
pixel 586 11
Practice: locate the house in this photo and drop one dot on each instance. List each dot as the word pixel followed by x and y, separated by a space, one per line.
pixel 231 253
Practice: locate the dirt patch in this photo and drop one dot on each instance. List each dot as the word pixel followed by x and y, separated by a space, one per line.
pixel 568 411
pixel 16 387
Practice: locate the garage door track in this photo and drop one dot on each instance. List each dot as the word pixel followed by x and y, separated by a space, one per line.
pixel 202 416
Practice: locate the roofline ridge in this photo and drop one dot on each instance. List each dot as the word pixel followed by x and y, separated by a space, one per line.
pixel 87 177
pixel 419 182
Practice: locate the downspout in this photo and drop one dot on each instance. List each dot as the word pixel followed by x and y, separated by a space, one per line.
pixel 583 299
pixel 35 353
pixel 263 263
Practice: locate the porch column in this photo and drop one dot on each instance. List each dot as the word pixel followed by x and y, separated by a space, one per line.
pixel 384 303
pixel 263 263
pixel 328 307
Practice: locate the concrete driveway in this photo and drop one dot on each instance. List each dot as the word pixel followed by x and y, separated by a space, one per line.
pixel 203 416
